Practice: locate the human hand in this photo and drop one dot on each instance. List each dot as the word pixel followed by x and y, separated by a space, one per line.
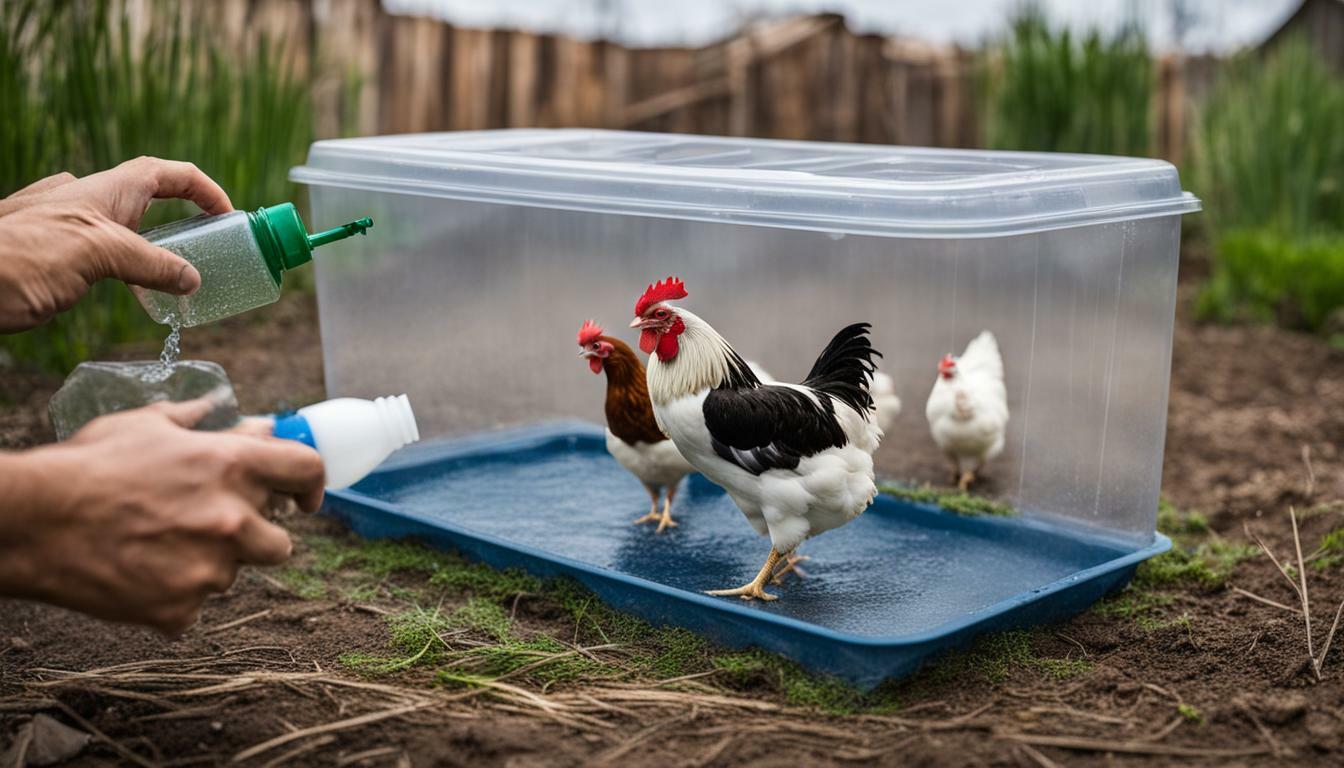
pixel 137 518
pixel 63 234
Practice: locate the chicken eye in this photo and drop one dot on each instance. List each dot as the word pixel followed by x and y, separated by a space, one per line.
pixel 662 313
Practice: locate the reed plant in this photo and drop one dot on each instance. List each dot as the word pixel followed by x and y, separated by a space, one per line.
pixel 1268 161
pixel 83 87
pixel 1047 89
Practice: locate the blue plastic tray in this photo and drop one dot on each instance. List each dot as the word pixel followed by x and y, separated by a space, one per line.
pixel 883 593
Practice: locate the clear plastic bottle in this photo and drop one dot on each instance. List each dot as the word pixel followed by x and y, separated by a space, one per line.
pixel 241 257
pixel 98 388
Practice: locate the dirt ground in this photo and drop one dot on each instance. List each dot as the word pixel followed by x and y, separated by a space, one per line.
pixel 1179 670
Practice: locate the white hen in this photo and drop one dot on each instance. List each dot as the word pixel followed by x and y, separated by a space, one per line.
pixel 968 408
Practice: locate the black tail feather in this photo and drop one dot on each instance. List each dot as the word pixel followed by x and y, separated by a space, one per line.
pixel 845 368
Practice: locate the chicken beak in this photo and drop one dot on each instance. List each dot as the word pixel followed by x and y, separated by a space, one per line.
pixel 585 353
pixel 638 322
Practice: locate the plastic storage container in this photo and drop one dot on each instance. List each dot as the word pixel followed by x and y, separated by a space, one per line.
pixel 502 242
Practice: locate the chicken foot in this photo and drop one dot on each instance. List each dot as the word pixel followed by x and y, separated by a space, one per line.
pixel 791 561
pixel 755 589
pixel 663 519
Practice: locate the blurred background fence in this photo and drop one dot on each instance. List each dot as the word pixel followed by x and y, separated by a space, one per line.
pixel 241 87
pixel 801 78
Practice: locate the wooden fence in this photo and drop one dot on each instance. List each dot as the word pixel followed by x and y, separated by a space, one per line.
pixel 802 78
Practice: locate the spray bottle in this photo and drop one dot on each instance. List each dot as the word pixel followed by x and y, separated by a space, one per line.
pixel 241 257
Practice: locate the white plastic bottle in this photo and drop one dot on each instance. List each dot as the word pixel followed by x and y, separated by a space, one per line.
pixel 353 436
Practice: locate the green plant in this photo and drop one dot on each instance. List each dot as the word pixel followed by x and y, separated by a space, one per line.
pixel 1331 551
pixel 83 89
pixel 1266 275
pixel 1268 151
pixel 1047 89
pixel 1268 160
pixel 1208 565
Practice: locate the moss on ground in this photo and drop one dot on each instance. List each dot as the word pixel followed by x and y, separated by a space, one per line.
pixel 1331 551
pixel 1177 523
pixel 495 648
pixel 477 642
pixel 1207 564
pixel 995 658
pixel 1190 713
pixel 958 502
pixel 1198 556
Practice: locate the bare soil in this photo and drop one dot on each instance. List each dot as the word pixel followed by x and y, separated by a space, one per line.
pixel 1185 672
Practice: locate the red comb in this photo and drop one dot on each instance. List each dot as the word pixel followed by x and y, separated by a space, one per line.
pixel 589 333
pixel 947 363
pixel 670 289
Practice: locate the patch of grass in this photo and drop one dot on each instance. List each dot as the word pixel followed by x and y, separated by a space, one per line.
pixel 483 616
pixel 1263 275
pixel 1063 669
pixel 958 502
pixel 1190 713
pixel 415 633
pixel 464 577
pixel 303 583
pixel 1197 556
pixel 995 657
pixel 1132 603
pixel 381 558
pixel 754 667
pixel 540 658
pixel 1178 523
pixel 1331 549
pixel 1152 624
pixel 1207 565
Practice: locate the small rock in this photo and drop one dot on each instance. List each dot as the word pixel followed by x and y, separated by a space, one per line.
pixel 44 741
pixel 19 644
pixel 216 726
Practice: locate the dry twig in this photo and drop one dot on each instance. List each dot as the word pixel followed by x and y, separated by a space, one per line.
pixel 238 622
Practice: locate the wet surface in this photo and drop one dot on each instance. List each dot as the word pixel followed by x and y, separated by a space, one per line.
pixel 895 570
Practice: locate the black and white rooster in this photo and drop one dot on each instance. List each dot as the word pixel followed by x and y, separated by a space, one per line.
pixel 797 459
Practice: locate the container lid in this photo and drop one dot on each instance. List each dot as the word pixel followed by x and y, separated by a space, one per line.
pixel 844 188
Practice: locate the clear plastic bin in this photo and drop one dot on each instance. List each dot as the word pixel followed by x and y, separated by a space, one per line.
pixel 494 246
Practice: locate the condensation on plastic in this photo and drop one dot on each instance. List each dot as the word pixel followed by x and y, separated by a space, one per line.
pixel 234 275
pixel 470 308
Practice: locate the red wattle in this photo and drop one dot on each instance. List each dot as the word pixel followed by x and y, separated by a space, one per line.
pixel 647 341
pixel 667 347
pixel 595 363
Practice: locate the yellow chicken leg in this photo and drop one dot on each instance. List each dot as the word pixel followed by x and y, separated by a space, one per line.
pixel 967 478
pixel 756 588
pixel 791 562
pixel 666 520
pixel 653 516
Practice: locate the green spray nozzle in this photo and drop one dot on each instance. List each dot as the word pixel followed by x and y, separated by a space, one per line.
pixel 284 240
pixel 340 233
